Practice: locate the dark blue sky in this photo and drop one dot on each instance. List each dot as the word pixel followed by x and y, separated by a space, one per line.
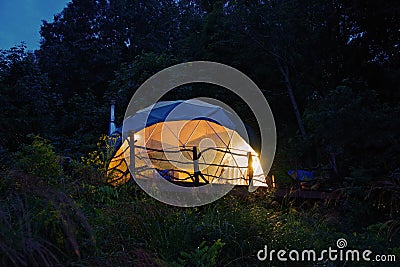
pixel 20 20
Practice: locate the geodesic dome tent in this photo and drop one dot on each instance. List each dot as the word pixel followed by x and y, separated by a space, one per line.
pixel 189 143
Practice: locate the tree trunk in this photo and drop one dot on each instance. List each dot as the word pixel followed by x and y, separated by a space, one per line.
pixel 285 72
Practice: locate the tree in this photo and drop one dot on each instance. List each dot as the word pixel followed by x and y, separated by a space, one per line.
pixel 357 128
pixel 130 76
pixel 285 31
pixel 372 28
pixel 77 51
pixel 90 39
pixel 84 47
pixel 27 103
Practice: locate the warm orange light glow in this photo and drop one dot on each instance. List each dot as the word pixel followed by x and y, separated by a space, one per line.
pixel 167 146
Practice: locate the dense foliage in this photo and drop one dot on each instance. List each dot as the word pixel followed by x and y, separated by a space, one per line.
pixel 330 70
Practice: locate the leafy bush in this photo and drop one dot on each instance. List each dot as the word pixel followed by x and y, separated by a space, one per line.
pixel 100 158
pixel 202 256
pixel 39 159
pixel 355 127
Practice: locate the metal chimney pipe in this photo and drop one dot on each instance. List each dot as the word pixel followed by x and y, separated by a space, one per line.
pixel 112 118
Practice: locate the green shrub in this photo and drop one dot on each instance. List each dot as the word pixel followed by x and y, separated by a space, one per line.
pixel 202 256
pixel 39 159
pixel 100 158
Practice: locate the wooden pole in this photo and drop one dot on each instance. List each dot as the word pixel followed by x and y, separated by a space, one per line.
pixel 131 139
pixel 273 182
pixel 250 170
pixel 196 167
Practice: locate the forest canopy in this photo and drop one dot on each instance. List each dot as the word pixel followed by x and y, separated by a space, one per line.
pixel 330 70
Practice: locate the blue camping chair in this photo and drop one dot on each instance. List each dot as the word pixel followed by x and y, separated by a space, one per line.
pixel 305 179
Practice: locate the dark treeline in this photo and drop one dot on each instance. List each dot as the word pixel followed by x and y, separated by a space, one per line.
pixel 329 69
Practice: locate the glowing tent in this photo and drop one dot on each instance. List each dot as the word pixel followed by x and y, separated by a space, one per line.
pixel 189 143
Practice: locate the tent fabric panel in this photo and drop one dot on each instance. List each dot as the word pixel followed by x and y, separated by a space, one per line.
pixel 176 111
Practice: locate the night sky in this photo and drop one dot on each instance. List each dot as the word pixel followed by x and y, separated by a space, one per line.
pixel 20 20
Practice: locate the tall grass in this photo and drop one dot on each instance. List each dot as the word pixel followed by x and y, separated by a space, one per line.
pixel 70 217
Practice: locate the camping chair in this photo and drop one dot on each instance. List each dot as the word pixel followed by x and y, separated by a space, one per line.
pixel 167 174
pixel 304 179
